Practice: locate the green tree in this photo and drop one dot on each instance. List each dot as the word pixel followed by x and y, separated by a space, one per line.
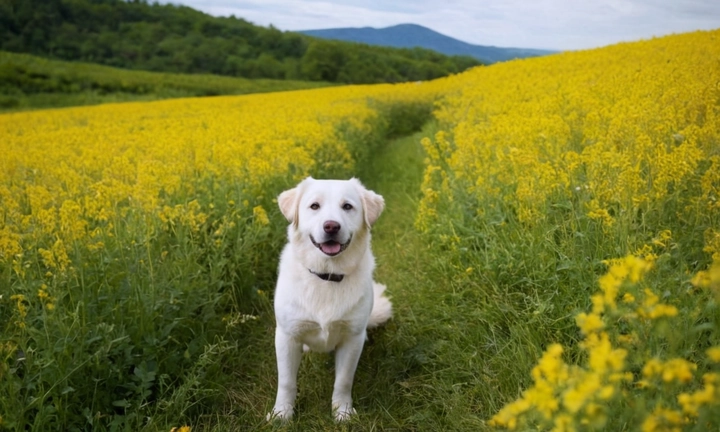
pixel 323 61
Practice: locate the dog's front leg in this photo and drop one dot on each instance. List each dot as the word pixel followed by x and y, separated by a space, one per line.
pixel 288 352
pixel 347 356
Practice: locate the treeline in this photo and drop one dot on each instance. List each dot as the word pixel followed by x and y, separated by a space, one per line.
pixel 28 82
pixel 170 38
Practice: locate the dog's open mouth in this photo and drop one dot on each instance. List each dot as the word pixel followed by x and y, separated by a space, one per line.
pixel 331 247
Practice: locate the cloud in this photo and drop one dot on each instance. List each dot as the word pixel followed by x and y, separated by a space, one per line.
pixel 551 24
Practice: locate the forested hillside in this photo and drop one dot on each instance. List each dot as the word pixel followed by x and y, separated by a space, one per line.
pixel 30 82
pixel 169 38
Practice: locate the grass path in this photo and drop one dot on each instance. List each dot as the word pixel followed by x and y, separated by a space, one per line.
pixel 424 370
pixel 396 173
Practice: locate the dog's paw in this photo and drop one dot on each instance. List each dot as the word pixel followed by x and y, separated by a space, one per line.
pixel 281 413
pixel 343 412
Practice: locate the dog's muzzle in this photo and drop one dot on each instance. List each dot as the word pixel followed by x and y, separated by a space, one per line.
pixel 331 247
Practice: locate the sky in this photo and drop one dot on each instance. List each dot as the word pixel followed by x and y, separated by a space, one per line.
pixel 545 24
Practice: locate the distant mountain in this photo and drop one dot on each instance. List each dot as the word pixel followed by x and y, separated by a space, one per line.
pixel 413 35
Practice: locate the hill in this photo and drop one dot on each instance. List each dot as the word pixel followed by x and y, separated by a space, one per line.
pixel 170 38
pixel 28 82
pixel 413 35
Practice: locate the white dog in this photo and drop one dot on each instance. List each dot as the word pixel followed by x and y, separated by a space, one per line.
pixel 325 297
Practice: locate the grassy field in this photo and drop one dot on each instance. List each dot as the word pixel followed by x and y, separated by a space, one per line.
pixel 551 248
pixel 30 82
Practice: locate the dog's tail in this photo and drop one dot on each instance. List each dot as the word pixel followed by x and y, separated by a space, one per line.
pixel 382 308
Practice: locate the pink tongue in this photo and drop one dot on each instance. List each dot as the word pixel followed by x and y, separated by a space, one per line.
pixel 330 247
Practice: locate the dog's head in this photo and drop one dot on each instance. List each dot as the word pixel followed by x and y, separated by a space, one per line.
pixel 330 214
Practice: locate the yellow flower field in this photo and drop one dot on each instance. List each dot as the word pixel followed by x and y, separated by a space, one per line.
pixel 625 126
pixel 580 158
pixel 132 225
pixel 68 174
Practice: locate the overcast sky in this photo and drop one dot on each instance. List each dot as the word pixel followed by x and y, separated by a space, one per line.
pixel 550 24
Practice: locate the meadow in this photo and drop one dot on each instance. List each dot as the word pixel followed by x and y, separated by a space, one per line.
pixel 551 244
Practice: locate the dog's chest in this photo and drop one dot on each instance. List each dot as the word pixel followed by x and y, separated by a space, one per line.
pixel 322 337
pixel 322 323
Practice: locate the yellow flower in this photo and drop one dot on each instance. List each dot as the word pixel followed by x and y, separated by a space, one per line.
pixel 563 423
pixel 652 309
pixel 9 244
pixel 260 216
pixel 707 396
pixel 551 368
pixel 676 369
pixel 20 302
pixel 652 367
pixel 605 359
pixel 710 278
pixel 589 323
pixel 626 339
pixel 663 238
pixel 663 420
pixel 600 214
pixel 598 302
pixel 714 354
pixel 508 415
pixel 594 416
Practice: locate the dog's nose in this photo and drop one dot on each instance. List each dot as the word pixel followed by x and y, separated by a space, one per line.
pixel 331 227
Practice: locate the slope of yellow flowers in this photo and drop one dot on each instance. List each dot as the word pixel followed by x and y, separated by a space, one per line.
pixel 546 170
pixel 623 128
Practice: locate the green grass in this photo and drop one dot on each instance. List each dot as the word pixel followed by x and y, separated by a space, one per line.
pixel 30 82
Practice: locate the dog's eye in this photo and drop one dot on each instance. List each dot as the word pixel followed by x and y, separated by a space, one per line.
pixel 347 206
pixel 314 206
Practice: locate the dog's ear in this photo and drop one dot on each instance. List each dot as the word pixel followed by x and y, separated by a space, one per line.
pixel 373 204
pixel 289 201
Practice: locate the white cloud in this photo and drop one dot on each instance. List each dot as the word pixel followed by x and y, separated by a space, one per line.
pixel 552 24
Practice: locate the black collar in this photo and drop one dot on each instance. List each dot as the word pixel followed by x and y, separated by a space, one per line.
pixel 332 277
